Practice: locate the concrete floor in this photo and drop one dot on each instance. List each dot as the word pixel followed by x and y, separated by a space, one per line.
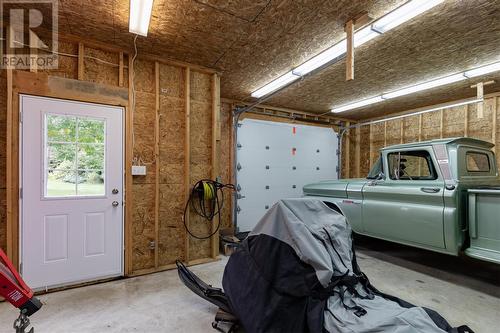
pixel 464 291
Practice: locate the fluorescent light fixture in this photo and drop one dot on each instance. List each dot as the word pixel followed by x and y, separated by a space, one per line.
pixel 364 35
pixel 404 13
pixel 483 70
pixel 426 85
pixel 359 104
pixel 275 85
pixel 139 16
pixel 321 59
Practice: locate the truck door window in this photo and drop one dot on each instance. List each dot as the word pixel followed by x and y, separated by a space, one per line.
pixel 411 165
pixel 477 162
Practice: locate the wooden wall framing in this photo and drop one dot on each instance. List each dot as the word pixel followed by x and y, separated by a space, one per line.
pixel 182 105
pixel 464 120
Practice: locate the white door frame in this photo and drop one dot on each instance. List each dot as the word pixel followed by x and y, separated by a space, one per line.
pixel 21 202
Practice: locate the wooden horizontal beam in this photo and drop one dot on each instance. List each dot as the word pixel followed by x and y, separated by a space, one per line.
pixel 286 110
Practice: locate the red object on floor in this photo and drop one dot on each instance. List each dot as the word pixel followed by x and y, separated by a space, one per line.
pixel 13 288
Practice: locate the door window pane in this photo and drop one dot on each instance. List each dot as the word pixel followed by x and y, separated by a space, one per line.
pixel 90 182
pixel 61 183
pixel 90 156
pixel 90 131
pixel 61 156
pixel 74 156
pixel 477 162
pixel 61 128
pixel 411 165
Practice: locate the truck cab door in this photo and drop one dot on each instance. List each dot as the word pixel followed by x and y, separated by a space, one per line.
pixel 407 205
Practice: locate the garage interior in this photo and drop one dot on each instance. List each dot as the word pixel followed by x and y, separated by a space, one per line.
pixel 340 79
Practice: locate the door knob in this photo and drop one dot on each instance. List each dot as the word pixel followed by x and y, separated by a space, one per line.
pixel 114 191
pixel 115 203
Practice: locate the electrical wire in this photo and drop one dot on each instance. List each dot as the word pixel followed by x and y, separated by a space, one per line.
pixel 206 200
pixel 68 54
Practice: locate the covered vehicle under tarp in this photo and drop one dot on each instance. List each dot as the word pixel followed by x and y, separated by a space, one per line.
pixel 297 272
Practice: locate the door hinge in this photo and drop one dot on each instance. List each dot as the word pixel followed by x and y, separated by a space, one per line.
pixel 21 193
pixel 20 116
pixel 21 268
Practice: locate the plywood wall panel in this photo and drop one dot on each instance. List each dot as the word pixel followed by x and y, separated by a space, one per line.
pixel 171 245
pixel 497 139
pixel 453 119
pixel 364 151
pixel 143 226
pixel 144 135
pixel 430 126
pixel 393 133
pixel 200 87
pixel 453 125
pixel 68 61
pixel 144 76
pixel 201 164
pixel 480 128
pixel 171 232
pixel 98 71
pixel 411 129
pixel 378 140
pixel 172 81
pixel 225 167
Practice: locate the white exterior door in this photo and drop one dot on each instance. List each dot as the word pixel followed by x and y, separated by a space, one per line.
pixel 71 191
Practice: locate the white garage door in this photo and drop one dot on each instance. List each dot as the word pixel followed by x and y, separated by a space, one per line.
pixel 276 160
pixel 72 190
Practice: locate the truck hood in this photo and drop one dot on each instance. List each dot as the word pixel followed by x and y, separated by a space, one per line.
pixel 331 188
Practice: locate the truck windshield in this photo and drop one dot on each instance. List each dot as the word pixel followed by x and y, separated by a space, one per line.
pixel 376 169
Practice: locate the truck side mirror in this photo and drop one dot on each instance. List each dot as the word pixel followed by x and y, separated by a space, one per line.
pixel 380 176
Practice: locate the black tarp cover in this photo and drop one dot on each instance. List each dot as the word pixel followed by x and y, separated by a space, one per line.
pixel 297 272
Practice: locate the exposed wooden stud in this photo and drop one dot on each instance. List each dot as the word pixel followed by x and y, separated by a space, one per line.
pixel 480 105
pixel 347 151
pixel 358 152
pixel 81 63
pixel 214 155
pixel 494 113
pixel 129 156
pixel 466 121
pixel 371 146
pixel 157 161
pixel 33 56
pixel 441 123
pixel 11 170
pixel 187 150
pixel 402 131
pixel 120 71
pixel 349 29
pixel 385 133
pixel 420 125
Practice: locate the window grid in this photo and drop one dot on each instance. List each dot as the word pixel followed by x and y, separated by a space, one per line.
pixel 77 145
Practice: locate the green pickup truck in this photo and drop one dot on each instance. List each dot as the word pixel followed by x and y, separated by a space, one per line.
pixel 441 195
